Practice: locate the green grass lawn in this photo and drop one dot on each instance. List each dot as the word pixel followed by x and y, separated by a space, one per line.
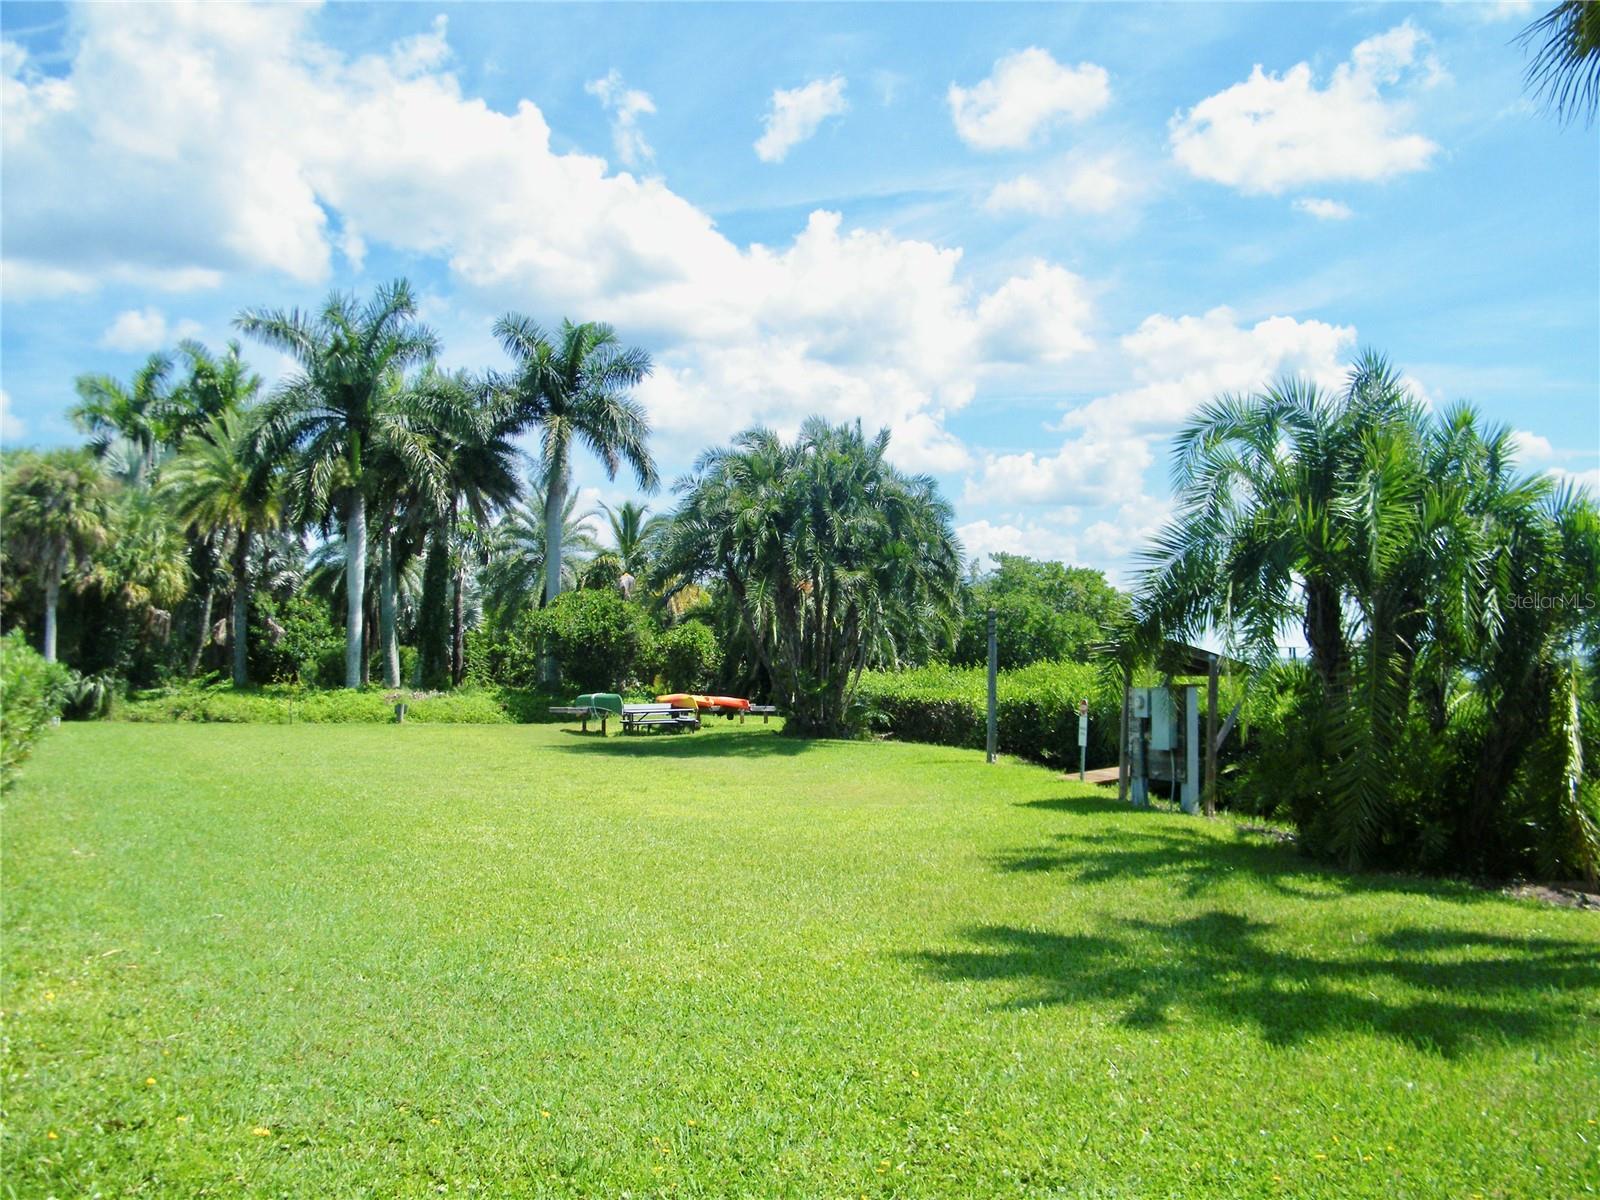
pixel 509 960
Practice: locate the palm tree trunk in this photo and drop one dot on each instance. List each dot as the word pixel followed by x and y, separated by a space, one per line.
pixel 555 501
pixel 241 610
pixel 387 589
pixel 52 597
pixel 457 631
pixel 204 640
pixel 355 587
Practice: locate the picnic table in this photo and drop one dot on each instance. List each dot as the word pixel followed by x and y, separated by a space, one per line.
pixel 601 706
pixel 637 717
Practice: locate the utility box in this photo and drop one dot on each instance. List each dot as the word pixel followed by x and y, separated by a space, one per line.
pixel 1163 720
pixel 1163 745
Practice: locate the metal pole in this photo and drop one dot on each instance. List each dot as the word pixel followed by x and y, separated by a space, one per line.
pixel 994 665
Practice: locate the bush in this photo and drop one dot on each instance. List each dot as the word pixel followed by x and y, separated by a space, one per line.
pixel 507 657
pixel 295 642
pixel 1037 713
pixel 689 657
pixel 600 641
pixel 287 705
pixel 31 693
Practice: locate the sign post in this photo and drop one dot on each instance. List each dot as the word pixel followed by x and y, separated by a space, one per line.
pixel 1083 736
pixel 993 740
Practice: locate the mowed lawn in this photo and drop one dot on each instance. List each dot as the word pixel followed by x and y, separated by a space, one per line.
pixel 417 961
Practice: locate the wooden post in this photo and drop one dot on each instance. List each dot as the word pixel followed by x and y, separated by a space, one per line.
pixel 1211 739
pixel 994 664
pixel 1122 735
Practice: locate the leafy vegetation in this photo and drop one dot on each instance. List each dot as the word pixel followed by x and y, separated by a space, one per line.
pixel 830 556
pixel 1447 602
pixel 1045 611
pixel 743 963
pixel 32 691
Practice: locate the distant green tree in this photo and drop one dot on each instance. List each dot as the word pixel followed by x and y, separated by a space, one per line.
pixel 138 412
pixel 1045 610
pixel 54 509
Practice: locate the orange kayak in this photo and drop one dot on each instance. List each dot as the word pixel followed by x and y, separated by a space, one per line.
pixel 692 700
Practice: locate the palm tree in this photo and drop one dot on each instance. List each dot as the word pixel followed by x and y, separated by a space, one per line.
pixel 475 427
pixel 219 485
pixel 635 534
pixel 54 511
pixel 1405 545
pixel 212 387
pixel 108 410
pixel 833 558
pixel 1566 66
pixel 339 409
pixel 576 387
pixel 517 563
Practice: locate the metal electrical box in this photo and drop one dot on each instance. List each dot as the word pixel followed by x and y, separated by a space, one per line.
pixel 1163 720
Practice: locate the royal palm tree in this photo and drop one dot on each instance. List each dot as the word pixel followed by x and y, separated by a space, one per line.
pixel 1566 64
pixel 219 485
pixel 108 410
pixel 339 409
pixel 576 387
pixel 54 513
pixel 211 386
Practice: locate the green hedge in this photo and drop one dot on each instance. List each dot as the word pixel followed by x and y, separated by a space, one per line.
pixel 1038 709
pixel 283 706
pixel 31 693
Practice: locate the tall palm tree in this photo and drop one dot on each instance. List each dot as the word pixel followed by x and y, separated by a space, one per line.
pixel 1566 66
pixel 54 513
pixel 220 485
pixel 211 387
pixel 576 387
pixel 108 410
pixel 339 409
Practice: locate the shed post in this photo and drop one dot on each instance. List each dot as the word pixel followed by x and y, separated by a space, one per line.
pixel 1211 738
pixel 994 665
pixel 1122 735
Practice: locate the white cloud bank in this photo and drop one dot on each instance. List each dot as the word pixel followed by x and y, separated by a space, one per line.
pixel 1276 132
pixel 795 116
pixel 1026 94
pixel 184 143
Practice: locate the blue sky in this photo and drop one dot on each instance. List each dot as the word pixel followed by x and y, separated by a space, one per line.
pixel 1028 239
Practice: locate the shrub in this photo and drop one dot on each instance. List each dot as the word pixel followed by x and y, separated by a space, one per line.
pixel 1037 710
pixel 31 693
pixel 599 639
pixel 295 642
pixel 689 657
pixel 507 657
pixel 286 705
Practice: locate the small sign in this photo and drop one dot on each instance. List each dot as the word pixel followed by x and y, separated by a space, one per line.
pixel 1083 731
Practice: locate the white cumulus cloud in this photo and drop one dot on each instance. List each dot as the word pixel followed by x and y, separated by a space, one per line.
pixel 12 427
pixel 1322 209
pixel 626 105
pixel 796 114
pixel 141 329
pixel 1098 186
pixel 1026 94
pixel 1274 132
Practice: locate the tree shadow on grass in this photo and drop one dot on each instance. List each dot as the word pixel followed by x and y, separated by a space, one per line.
pixel 703 744
pixel 1193 861
pixel 1440 991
